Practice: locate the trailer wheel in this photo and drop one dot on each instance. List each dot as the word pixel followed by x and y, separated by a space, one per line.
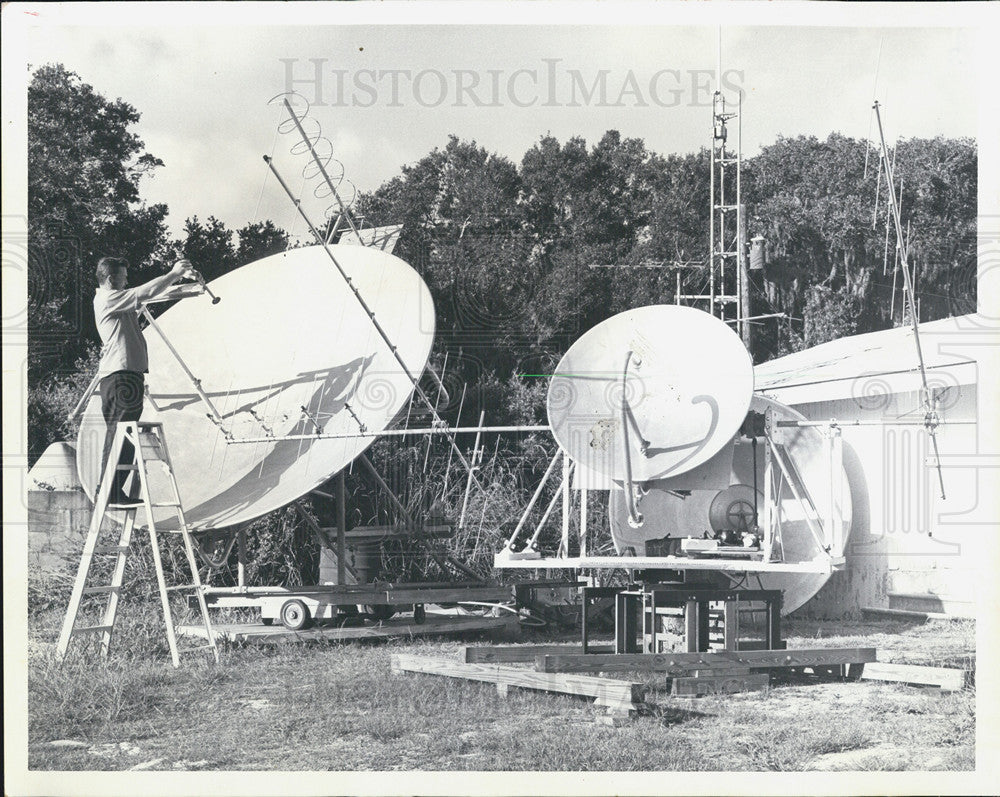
pixel 267 620
pixel 419 614
pixel 294 615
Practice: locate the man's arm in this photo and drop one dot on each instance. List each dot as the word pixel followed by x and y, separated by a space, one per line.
pixel 157 286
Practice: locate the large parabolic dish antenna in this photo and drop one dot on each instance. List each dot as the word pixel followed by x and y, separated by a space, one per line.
pixel 686 379
pixel 289 350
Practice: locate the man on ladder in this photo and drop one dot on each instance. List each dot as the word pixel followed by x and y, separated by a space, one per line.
pixel 134 445
pixel 123 357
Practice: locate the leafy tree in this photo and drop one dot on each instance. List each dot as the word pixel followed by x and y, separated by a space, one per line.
pixel 85 166
pixel 209 247
pixel 676 235
pixel 939 203
pixel 829 314
pixel 258 240
pixel 84 170
pixel 51 401
pixel 814 202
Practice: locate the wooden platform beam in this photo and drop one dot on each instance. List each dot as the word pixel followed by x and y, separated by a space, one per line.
pixel 509 654
pixel 685 663
pixel 721 684
pixel 948 679
pixel 618 696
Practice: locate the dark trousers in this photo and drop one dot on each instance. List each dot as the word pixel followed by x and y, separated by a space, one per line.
pixel 122 395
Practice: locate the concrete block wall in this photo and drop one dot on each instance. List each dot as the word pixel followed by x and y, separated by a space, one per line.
pixel 58 521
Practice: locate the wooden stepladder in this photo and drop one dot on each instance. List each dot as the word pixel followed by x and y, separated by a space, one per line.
pixel 150 446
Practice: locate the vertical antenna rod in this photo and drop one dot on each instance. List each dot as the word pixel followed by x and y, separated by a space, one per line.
pixel 908 285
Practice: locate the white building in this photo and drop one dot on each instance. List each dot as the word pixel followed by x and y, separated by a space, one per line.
pixel 909 548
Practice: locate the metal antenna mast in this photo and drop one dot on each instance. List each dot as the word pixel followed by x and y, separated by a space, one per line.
pixel 930 413
pixel 728 285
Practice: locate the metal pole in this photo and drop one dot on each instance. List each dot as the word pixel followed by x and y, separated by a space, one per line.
pixel 364 306
pixel 711 218
pixel 212 412
pixel 534 499
pixel 458 420
pixel 241 556
pixel 393 499
pixel 899 237
pixel 393 433
pixel 721 237
pixel 835 423
pixel 565 506
pixel 743 308
pixel 341 529
pixel 890 181
pixel 468 484
pixel 91 388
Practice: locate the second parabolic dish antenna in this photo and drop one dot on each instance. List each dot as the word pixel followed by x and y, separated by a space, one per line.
pixel 289 351
pixel 686 380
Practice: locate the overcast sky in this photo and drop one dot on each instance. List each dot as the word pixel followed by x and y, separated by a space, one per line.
pixel 388 95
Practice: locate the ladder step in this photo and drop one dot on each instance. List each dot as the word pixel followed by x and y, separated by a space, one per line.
pixel 148 440
pixel 91 628
pixel 100 590
pixel 109 549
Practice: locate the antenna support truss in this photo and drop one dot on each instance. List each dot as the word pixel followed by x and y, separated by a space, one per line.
pixel 437 422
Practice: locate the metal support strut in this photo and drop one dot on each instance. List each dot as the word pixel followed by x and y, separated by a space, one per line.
pixel 371 314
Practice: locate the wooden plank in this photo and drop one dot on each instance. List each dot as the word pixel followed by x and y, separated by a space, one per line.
pixel 947 678
pixel 721 670
pixel 506 654
pixel 872 612
pixel 609 691
pixel 731 626
pixel 402 626
pixel 692 625
pixel 680 663
pixel 718 684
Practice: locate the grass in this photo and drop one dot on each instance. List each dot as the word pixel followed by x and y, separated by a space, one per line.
pixel 337 707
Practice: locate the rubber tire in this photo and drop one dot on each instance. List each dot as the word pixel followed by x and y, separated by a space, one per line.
pixel 267 620
pixel 294 615
pixel 419 614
